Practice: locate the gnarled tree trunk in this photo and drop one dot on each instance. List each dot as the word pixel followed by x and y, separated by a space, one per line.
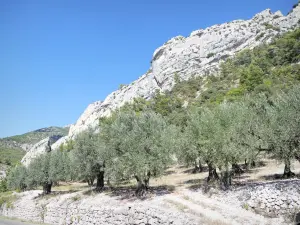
pixel 47 188
pixel 90 181
pixel 212 173
pixel 236 169
pixel 198 167
pixel 287 169
pixel 142 185
pixel 226 178
pixel 100 181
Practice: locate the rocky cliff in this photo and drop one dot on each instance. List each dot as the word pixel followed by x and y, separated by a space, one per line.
pixel 198 54
pixel 40 148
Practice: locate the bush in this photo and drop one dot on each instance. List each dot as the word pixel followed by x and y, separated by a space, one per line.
pixel 261 35
pixel 11 156
pixel 121 86
pixel 209 55
pixel 3 185
pixel 270 26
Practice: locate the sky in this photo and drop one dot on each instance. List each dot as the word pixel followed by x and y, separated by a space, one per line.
pixel 58 56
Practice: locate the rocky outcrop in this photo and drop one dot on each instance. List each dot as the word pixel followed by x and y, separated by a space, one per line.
pixel 40 148
pixel 199 54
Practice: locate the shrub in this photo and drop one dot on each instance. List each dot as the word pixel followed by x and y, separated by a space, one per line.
pixel 121 86
pixel 258 37
pixel 270 26
pixel 3 185
pixel 209 55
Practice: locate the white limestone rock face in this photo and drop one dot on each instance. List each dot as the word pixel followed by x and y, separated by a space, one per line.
pixel 144 87
pixel 199 54
pixel 40 148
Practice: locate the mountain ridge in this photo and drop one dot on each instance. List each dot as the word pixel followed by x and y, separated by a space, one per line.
pixel 27 140
pixel 198 54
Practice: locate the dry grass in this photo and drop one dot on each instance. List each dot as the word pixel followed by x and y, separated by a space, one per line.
pixel 180 177
pixel 70 187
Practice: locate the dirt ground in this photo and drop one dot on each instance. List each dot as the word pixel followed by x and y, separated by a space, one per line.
pixel 180 189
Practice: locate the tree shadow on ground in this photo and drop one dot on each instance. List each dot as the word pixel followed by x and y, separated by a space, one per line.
pixel 240 177
pixel 277 176
pixel 169 172
pixel 194 171
pixel 197 184
pixel 193 181
pixel 128 193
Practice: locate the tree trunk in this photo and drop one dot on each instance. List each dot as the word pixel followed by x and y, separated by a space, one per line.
pixel 200 166
pixel 212 173
pixel 47 188
pixel 100 181
pixel 226 178
pixel 246 165
pixel 142 185
pixel 236 169
pixel 90 181
pixel 196 168
pixel 287 169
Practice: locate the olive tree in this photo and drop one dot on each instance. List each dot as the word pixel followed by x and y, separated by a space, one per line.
pixel 198 141
pixel 142 145
pixel 284 127
pixel 16 178
pixel 210 135
pixel 38 173
pixel 89 158
pixel 60 166
pixel 251 130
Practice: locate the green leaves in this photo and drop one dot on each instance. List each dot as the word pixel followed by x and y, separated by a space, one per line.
pixel 140 143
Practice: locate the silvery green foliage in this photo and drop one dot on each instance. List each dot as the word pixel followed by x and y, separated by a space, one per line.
pixel 140 144
pixel 16 178
pixel 284 124
pixel 214 134
pixel 251 127
pixel 60 166
pixel 88 151
pixel 38 171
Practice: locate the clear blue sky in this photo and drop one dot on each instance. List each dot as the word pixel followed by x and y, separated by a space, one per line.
pixel 58 56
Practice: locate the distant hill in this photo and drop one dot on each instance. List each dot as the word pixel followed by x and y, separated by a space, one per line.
pixel 27 140
pixel 12 149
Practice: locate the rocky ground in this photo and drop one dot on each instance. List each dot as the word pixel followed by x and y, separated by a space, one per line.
pixel 179 197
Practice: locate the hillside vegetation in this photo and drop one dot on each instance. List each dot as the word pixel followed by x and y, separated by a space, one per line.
pixel 11 156
pixel 251 109
pixel 12 149
pixel 34 137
